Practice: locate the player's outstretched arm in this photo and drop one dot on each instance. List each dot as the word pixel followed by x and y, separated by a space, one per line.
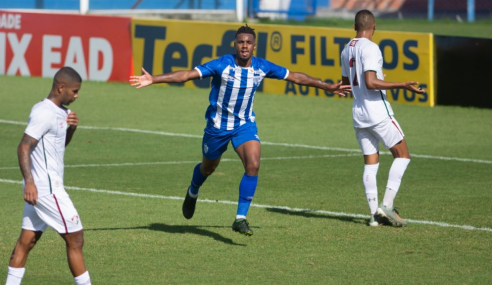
pixel 141 81
pixel 304 79
pixel 372 82
pixel 147 79
pixel 412 86
pixel 339 88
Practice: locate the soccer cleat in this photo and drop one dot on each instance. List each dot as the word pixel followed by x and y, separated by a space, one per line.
pixel 189 205
pixel 374 221
pixel 242 226
pixel 392 215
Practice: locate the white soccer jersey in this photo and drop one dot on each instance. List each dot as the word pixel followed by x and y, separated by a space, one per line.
pixel 370 106
pixel 48 125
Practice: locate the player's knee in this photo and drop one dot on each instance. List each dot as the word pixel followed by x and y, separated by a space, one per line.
pixel 75 244
pixel 27 242
pixel 74 240
pixel 252 169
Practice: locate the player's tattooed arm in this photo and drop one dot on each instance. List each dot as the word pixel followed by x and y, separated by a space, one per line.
pixel 26 144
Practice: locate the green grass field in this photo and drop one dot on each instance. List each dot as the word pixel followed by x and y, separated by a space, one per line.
pixel 131 160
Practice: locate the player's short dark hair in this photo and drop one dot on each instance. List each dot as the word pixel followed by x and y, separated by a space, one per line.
pixel 246 30
pixel 364 19
pixel 68 73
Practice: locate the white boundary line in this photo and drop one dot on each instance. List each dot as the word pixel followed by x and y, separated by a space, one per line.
pixel 190 162
pixel 338 214
pixel 264 142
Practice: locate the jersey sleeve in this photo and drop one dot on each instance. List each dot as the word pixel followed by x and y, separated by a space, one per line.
pixel 39 124
pixel 272 70
pixel 370 58
pixel 209 68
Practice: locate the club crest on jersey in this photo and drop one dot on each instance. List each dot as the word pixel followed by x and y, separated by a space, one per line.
pixel 75 219
pixel 256 80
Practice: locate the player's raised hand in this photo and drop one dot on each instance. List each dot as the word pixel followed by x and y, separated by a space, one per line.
pixel 142 80
pixel 73 119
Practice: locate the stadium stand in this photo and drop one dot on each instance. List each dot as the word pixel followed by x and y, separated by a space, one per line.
pixel 406 8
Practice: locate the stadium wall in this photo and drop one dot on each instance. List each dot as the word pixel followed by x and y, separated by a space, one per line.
pixel 162 46
pixel 38 44
pixel 112 48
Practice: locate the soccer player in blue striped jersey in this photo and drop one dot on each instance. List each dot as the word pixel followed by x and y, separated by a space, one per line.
pixel 230 116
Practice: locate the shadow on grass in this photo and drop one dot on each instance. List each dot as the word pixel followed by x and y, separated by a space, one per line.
pixel 314 214
pixel 178 229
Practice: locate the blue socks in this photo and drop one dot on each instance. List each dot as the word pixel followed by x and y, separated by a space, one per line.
pixel 197 180
pixel 247 189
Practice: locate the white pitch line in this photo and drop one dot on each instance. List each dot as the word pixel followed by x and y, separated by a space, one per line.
pixel 265 142
pixel 189 162
pixel 330 213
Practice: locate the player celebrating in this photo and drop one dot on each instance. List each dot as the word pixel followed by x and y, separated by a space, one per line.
pixel 230 116
pixel 373 117
pixel 41 150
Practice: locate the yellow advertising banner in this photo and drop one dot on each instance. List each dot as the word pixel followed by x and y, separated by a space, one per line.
pixel 162 46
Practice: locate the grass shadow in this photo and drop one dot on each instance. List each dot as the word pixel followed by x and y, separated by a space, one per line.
pixel 314 214
pixel 178 229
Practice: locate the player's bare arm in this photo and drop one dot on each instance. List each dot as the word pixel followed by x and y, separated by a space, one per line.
pixel 73 122
pixel 26 144
pixel 372 82
pixel 304 79
pixel 147 79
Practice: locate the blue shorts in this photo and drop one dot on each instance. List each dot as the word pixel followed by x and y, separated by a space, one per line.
pixel 215 141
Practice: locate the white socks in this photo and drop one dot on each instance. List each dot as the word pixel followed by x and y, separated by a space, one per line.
pixel 14 276
pixel 370 186
pixel 83 279
pixel 394 180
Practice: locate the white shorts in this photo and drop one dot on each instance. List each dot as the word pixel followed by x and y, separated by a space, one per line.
pixel 388 132
pixel 54 210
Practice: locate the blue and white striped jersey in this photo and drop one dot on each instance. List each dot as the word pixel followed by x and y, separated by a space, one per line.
pixel 234 87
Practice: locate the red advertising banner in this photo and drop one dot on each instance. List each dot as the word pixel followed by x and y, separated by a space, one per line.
pixel 36 44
